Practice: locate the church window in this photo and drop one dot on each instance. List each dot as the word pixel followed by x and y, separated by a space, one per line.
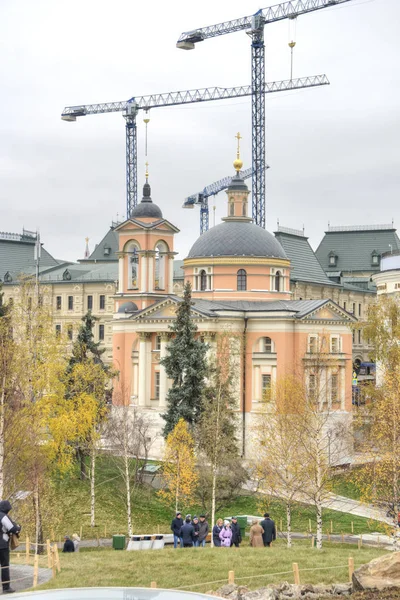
pixel 58 302
pixel 90 302
pixel 70 303
pixel 311 384
pixel 266 385
pixel 231 209
pixel 335 345
pixel 102 302
pixel 334 387
pixel 244 211
pixel 158 342
pixel 266 345
pixel 133 273
pixel 313 344
pixel 101 332
pixel 241 280
pixel 203 280
pixel 278 278
pixel 157 385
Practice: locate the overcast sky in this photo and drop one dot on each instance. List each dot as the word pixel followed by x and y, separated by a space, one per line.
pixel 333 151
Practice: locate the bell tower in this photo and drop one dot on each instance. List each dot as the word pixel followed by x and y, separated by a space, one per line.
pixel 237 192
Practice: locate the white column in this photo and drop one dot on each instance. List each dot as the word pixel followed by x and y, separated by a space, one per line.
pixel 135 389
pixel 163 375
pixel 171 275
pixel 143 272
pixel 143 380
pixel 120 274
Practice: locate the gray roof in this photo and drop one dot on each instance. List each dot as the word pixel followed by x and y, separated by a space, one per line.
pixel 84 272
pixel 237 238
pixel 354 248
pixel 17 256
pixel 101 252
pixel 297 308
pixel 304 263
pixel 237 184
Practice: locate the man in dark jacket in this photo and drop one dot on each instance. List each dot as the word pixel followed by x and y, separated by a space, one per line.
pixel 196 527
pixel 68 544
pixel 7 528
pixel 236 535
pixel 176 527
pixel 203 531
pixel 187 533
pixel 269 534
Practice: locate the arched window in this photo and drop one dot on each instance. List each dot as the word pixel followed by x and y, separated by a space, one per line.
pixel 203 280
pixel 159 282
pixel 278 278
pixel 244 211
pixel 241 280
pixel 231 209
pixel 266 345
pixel 133 268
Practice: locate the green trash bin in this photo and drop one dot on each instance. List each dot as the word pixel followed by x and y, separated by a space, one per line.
pixel 118 542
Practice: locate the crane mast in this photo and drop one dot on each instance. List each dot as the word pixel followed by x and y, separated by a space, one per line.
pixel 254 26
pixel 130 109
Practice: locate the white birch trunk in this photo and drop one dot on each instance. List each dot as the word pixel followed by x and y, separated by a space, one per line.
pixel 214 487
pixel 289 524
pixel 92 486
pixel 128 495
pixel 2 408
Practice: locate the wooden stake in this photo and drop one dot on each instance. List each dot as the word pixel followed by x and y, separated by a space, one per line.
pixel 379 537
pixel 296 574
pixel 331 526
pixel 231 576
pixel 361 540
pixel 359 544
pixel 342 538
pixel 309 525
pixel 35 570
pixel 53 562
pixel 329 537
pixel 48 549
pixel 57 558
pixel 352 527
pixel 312 541
pixel 80 532
pixel 351 568
pixel 27 547
pixel 153 584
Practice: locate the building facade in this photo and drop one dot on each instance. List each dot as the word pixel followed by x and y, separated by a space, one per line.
pixel 241 287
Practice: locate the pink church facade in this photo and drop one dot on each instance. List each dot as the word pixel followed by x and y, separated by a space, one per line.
pixel 240 277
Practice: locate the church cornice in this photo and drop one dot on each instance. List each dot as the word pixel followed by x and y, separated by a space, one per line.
pixel 236 260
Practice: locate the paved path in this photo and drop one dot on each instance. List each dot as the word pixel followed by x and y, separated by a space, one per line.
pixel 356 508
pixel 22 576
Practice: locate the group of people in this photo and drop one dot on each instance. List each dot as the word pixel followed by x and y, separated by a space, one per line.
pixel 71 545
pixel 193 532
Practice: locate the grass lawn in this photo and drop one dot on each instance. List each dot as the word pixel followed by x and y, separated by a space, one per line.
pixel 183 568
pixel 149 514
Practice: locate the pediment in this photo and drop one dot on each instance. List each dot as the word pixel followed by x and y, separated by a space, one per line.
pixel 329 312
pixel 165 309
pixel 134 224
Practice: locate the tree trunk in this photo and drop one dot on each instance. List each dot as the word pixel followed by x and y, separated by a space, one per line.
pixel 2 409
pixel 39 549
pixel 128 495
pixel 92 482
pixel 83 475
pixel 213 493
pixel 289 524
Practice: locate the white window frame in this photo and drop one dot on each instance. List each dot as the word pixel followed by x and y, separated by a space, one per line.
pixel 335 339
pixel 311 339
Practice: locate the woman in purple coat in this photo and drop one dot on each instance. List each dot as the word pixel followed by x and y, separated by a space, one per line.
pixel 226 535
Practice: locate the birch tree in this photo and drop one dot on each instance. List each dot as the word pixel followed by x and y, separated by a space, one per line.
pixel 128 437
pixel 279 457
pixel 178 473
pixel 216 433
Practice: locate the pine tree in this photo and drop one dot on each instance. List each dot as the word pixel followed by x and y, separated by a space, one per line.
pixel 85 347
pixel 186 365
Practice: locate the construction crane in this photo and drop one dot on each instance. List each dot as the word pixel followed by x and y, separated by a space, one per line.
pixel 254 27
pixel 130 109
pixel 201 198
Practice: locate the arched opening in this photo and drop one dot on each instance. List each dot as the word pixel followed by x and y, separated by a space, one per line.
pixel 244 210
pixel 203 280
pixel 159 278
pixel 231 209
pixel 241 280
pixel 278 279
pixel 133 265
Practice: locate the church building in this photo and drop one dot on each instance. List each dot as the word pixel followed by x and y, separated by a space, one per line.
pixel 240 277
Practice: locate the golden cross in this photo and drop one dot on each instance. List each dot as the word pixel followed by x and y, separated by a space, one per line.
pixel 238 137
pixel 147 170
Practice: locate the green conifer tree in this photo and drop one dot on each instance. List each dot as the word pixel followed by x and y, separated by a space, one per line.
pixel 85 347
pixel 185 363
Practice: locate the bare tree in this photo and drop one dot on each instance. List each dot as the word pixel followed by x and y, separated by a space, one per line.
pixel 128 435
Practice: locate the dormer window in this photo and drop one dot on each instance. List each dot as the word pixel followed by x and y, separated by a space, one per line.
pixel 66 275
pixel 332 259
pixel 375 258
pixel 7 277
pixel 107 251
